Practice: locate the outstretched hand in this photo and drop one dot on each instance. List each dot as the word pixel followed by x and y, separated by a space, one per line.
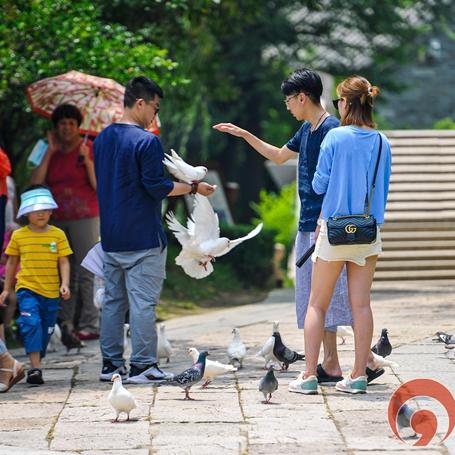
pixel 230 128
pixel 205 189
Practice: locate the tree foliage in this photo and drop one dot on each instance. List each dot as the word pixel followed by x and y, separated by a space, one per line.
pixel 218 60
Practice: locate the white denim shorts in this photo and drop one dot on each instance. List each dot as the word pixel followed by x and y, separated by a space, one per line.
pixel 350 253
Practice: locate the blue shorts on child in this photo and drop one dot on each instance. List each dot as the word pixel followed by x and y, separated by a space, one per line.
pixel 38 315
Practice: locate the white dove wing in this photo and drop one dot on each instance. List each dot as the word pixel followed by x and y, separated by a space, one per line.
pixel 182 170
pixel 206 224
pixel 267 349
pixel 182 234
pixel 172 168
pixel 214 368
pixel 234 243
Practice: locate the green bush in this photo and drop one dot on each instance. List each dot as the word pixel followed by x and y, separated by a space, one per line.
pixel 445 123
pixel 277 212
pixel 252 261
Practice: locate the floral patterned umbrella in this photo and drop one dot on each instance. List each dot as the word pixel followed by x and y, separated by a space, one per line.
pixel 99 99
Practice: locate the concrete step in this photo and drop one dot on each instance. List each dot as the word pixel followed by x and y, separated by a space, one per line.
pixel 421 205
pixel 422 142
pixel 442 215
pixel 419 226
pixel 431 187
pixel 418 134
pixel 424 264
pixel 424 168
pixel 416 235
pixel 425 151
pixel 422 195
pixel 407 275
pixel 404 246
pixel 422 178
pixel 417 255
pixel 423 159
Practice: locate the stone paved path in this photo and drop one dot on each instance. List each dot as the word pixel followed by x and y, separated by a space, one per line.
pixel 70 414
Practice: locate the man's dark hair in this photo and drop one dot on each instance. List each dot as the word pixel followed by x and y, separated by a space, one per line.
pixel 141 87
pixel 66 111
pixel 303 80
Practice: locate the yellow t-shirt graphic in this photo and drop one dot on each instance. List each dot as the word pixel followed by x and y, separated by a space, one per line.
pixel 39 253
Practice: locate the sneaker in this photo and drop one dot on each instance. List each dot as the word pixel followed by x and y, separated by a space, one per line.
pixel 148 374
pixel 35 377
pixel 308 386
pixel 109 369
pixel 349 385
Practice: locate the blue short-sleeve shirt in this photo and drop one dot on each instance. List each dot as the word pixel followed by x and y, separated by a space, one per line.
pixel 308 144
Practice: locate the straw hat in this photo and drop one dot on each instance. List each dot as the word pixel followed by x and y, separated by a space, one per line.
pixel 34 200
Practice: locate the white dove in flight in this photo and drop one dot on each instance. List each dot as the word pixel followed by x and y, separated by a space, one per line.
pixel 182 170
pixel 200 240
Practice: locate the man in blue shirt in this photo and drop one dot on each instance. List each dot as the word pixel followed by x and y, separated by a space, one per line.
pixel 131 186
pixel 302 90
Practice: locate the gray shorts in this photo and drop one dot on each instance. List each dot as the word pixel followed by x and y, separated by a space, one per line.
pixel 339 312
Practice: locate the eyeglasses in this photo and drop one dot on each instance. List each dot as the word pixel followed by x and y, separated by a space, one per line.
pixel 157 107
pixel 335 102
pixel 289 98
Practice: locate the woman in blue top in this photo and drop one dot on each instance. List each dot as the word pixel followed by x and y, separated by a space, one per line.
pixel 344 175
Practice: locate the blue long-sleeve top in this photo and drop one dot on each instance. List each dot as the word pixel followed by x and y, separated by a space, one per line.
pixel 345 169
pixel 130 186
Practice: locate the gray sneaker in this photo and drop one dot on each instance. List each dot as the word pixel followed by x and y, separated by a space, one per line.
pixel 151 375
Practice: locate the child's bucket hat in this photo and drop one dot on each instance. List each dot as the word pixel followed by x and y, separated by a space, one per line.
pixel 34 200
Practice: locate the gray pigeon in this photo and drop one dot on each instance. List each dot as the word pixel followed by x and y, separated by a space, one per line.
pixel 404 416
pixel 383 346
pixel 285 355
pixel 445 338
pixel 190 376
pixel 268 385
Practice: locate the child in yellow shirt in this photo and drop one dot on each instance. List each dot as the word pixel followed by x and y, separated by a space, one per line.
pixel 42 251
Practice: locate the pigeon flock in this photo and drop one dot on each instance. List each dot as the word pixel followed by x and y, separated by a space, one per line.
pixel 276 354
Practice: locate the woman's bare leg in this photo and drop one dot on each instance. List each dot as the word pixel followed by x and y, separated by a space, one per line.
pixel 324 278
pixel 360 279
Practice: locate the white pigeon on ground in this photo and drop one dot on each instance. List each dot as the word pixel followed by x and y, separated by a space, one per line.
pixel 200 240
pixel 182 170
pixel 267 349
pixel 212 367
pixel 344 331
pixel 236 350
pixel 120 399
pixel 381 362
pixel 55 341
pixel 164 349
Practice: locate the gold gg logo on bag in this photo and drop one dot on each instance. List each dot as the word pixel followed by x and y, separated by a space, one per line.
pixel 350 228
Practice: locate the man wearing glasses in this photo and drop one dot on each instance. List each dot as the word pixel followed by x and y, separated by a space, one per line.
pixel 131 186
pixel 302 90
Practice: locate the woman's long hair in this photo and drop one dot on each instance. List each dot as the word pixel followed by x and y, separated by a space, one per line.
pixel 359 95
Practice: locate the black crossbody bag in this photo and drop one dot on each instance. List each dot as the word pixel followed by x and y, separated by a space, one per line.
pixel 355 229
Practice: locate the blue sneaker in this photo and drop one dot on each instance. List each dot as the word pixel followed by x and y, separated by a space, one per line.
pixel 349 385
pixel 308 386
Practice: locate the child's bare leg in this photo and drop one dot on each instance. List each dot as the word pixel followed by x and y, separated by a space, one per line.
pixel 35 359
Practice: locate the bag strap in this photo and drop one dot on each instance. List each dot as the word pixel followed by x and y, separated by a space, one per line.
pixel 373 183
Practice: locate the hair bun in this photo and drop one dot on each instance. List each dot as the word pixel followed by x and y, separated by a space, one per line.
pixel 373 91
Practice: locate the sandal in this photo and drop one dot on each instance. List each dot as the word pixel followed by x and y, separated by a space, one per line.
pixel 324 377
pixel 17 374
pixel 374 374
